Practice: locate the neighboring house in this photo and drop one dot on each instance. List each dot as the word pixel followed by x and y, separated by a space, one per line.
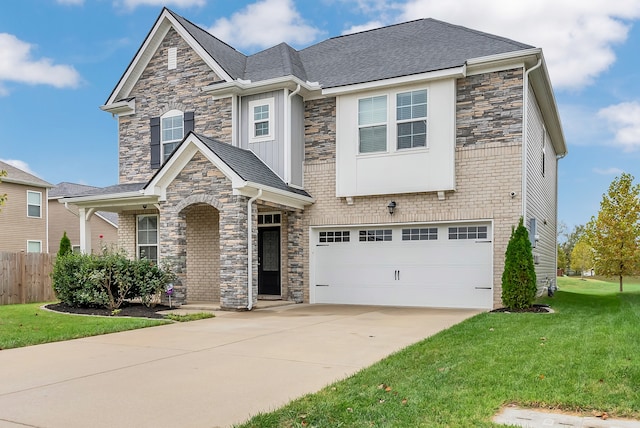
pixel 385 167
pixel 24 215
pixel 64 218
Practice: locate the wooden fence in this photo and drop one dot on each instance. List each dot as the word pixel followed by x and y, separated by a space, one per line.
pixel 26 278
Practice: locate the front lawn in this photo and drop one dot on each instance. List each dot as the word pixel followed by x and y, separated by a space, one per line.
pixel 585 357
pixel 24 325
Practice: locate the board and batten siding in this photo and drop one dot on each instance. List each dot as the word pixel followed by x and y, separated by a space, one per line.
pixel 541 191
pixel 271 152
pixel 297 140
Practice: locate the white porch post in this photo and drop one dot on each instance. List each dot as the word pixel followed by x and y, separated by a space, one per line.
pixel 85 230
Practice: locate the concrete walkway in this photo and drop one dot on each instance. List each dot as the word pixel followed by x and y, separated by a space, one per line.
pixel 208 373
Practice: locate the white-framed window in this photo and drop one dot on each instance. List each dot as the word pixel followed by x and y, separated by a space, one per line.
pixel 269 219
pixel 411 117
pixel 261 114
pixel 372 124
pixel 75 249
pixel 395 116
pixel 468 232
pixel 375 235
pixel 34 246
pixel 147 237
pixel 171 132
pixel 34 204
pixel 335 236
pixel 420 234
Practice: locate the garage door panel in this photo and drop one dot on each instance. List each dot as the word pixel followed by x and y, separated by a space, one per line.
pixel 437 273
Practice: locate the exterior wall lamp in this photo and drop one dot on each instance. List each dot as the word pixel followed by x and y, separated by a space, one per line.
pixel 391 207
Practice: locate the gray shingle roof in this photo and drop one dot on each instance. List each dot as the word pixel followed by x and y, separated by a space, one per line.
pixel 397 50
pixel 109 216
pixel 110 190
pixel 66 189
pixel 248 166
pixel 16 175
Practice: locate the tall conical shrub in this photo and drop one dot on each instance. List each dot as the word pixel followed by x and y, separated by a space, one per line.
pixel 65 245
pixel 519 276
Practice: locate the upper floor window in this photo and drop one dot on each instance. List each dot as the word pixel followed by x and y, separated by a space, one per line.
pixel 261 120
pixel 372 124
pixel 411 116
pixel 34 204
pixel 171 132
pixel 376 112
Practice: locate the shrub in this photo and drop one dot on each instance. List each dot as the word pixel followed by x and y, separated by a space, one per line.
pixel 65 245
pixel 519 276
pixel 107 279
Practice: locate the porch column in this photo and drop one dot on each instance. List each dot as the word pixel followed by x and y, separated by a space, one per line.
pixel 85 229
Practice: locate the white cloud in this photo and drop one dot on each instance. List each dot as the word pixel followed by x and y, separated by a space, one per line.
pixel 17 65
pixel 132 4
pixel 363 27
pixel 264 24
pixel 577 37
pixel 19 164
pixel 624 121
pixel 608 171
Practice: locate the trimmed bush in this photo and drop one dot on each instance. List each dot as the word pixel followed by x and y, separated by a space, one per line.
pixel 519 276
pixel 65 245
pixel 107 280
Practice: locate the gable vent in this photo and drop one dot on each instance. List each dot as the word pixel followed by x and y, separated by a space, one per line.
pixel 172 58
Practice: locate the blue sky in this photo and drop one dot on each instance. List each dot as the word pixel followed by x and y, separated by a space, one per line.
pixel 60 59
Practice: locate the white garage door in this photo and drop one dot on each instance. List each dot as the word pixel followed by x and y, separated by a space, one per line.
pixel 428 265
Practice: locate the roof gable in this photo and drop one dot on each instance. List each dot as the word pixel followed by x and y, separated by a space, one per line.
pixel 18 176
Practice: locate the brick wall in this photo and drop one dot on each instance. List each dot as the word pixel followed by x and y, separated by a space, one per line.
pixel 203 253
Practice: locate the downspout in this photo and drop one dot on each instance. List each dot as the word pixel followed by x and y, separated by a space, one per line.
pixel 46 193
pixel 250 249
pixel 524 137
pixel 287 133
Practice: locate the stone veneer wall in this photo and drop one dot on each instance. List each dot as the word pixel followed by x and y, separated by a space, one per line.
pixel 203 253
pixel 159 90
pixel 488 162
pixel 199 182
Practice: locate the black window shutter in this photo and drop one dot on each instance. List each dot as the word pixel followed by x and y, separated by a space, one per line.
pixel 188 122
pixel 155 142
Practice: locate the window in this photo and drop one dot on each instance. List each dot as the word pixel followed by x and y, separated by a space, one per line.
pixel 34 246
pixel 148 237
pixel 468 232
pixel 75 249
pixel 375 235
pixel 269 219
pixel 261 120
pixel 335 236
pixel 409 107
pixel 422 234
pixel 372 124
pixel 171 132
pixel 34 204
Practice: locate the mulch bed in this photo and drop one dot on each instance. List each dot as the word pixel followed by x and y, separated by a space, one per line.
pixel 127 310
pixel 540 309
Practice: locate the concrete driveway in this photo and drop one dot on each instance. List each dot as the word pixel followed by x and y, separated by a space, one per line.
pixel 208 373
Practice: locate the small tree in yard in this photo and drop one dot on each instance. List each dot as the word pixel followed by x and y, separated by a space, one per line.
pixel 582 256
pixel 562 258
pixel 65 245
pixel 519 276
pixel 615 232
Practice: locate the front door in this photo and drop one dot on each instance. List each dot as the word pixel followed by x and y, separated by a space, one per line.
pixel 269 260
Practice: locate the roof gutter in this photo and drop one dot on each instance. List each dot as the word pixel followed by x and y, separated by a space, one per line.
pixel 250 249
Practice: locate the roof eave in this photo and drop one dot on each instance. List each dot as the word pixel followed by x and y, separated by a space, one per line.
pixel 247 87
pixel 43 185
pixel 271 194
pixel 121 108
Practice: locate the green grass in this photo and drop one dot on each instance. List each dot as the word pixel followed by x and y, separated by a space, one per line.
pixel 25 325
pixel 190 317
pixel 584 357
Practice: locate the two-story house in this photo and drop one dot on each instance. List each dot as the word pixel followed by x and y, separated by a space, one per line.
pixel 24 217
pixel 385 167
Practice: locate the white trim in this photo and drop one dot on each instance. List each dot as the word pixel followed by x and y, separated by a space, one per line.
pixel 40 205
pixel 169 114
pixel 246 87
pixel 270 103
pixel 157 244
pixel 38 241
pixel 457 72
pixel 121 108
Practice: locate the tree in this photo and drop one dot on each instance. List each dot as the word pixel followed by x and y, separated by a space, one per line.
pixel 571 239
pixel 614 233
pixel 519 276
pixel 582 256
pixel 3 197
pixel 65 245
pixel 562 258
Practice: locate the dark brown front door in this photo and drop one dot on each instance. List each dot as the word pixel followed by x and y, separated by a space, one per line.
pixel 269 260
